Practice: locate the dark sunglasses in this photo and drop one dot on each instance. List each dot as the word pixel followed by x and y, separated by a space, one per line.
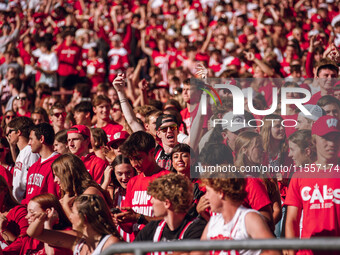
pixel 2 149
pixel 165 129
pixel 10 131
pixel 58 114
pixel 21 98
pixel 9 117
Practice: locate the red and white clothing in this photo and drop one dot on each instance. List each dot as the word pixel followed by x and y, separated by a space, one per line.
pixel 40 179
pixel 69 58
pixel 95 166
pixel 137 197
pixel 136 193
pixel 111 129
pixel 119 200
pixel 320 200
pixel 233 230
pixel 26 158
pixel 162 61
pixel 95 70
pixel 48 62
pixel 119 62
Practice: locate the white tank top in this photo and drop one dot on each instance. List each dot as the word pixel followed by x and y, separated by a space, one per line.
pixel 233 230
pixel 98 249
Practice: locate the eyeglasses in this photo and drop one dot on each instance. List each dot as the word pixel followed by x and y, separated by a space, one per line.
pixel 9 117
pixel 58 114
pixel 10 131
pixel 21 98
pixel 165 129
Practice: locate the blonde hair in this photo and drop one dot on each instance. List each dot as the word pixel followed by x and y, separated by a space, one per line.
pixel 174 187
pixel 243 141
pixel 266 133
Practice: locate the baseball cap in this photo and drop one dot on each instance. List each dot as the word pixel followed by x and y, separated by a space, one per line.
pixel 234 122
pixel 119 136
pixel 315 110
pixel 316 18
pixel 80 129
pixel 164 118
pixel 163 84
pixel 325 125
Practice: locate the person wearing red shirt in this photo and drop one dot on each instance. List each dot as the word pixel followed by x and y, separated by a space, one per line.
pixel 101 107
pixel 119 60
pixel 23 104
pixel 316 192
pixel 69 56
pixel 140 149
pixel 40 177
pixel 95 67
pixel 78 138
pixel 326 74
pixel 161 58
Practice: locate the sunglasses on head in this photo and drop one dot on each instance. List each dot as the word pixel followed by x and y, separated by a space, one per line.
pixel 58 114
pixel 165 129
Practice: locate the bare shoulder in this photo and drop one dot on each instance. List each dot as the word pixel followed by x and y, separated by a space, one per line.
pixel 112 240
pixel 92 191
pixel 256 226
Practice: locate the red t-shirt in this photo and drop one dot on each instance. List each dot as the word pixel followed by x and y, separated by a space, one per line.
pixel 119 62
pixel 95 166
pixel 69 58
pixel 40 179
pixel 95 69
pixel 112 128
pixel 320 200
pixel 257 195
pixel 136 193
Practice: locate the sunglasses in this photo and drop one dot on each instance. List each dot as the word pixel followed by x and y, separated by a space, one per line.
pixel 165 129
pixel 58 114
pixel 2 149
pixel 10 131
pixel 9 117
pixel 21 98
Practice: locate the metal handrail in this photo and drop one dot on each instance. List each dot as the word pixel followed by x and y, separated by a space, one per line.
pixel 139 248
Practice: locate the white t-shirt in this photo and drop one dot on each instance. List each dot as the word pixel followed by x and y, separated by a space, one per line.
pixel 49 62
pixel 233 230
pixel 25 159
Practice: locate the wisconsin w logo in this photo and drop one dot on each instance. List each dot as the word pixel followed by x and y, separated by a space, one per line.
pixel 332 123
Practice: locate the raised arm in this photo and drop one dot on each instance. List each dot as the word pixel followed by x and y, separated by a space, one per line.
pixel 146 50
pixel 129 115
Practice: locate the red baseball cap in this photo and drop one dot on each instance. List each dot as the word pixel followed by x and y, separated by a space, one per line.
pixel 325 125
pixel 316 18
pixel 119 136
pixel 80 129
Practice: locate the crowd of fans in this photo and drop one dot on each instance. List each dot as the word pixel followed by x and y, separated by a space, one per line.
pixel 101 122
